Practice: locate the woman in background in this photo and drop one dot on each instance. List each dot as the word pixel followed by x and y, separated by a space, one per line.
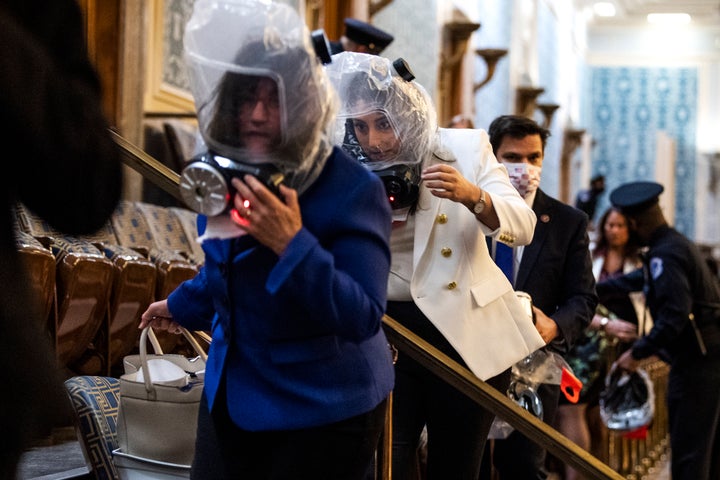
pixel 615 321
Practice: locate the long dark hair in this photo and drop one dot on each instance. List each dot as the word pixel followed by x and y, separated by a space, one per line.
pixel 235 90
pixel 631 248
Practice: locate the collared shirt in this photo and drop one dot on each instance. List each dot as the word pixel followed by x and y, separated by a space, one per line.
pixel 401 270
pixel 518 250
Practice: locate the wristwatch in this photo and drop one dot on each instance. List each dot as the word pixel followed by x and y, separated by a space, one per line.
pixel 480 206
pixel 603 322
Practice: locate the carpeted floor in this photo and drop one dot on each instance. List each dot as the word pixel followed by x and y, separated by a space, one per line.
pixel 58 457
pixel 61 457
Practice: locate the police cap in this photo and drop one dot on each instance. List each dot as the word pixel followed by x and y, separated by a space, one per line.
pixel 635 197
pixel 365 34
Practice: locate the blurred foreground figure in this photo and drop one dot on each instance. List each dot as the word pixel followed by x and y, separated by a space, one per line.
pixel 62 164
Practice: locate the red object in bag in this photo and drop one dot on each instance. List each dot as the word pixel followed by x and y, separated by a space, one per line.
pixel 570 385
pixel 637 434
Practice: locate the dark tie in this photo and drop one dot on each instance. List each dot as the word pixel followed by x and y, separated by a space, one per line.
pixel 504 259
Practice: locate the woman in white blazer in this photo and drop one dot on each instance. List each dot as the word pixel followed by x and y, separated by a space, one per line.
pixel 448 192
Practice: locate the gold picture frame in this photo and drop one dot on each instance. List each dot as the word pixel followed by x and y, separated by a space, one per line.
pixel 167 91
pixel 167 86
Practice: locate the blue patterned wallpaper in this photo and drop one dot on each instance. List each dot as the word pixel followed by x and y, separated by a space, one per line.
pixel 628 106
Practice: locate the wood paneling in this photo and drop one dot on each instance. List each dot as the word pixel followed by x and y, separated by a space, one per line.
pixel 102 20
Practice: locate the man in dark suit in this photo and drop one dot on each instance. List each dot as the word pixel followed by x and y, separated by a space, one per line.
pixel 555 269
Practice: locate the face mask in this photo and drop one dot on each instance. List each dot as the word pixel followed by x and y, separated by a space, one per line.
pixel 524 177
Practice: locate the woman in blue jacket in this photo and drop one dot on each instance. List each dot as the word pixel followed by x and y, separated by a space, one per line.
pixel 294 282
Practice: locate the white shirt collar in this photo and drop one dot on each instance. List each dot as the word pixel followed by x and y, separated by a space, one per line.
pixel 530 198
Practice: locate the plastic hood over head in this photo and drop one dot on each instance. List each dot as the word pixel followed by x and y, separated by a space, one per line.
pixel 230 44
pixel 369 83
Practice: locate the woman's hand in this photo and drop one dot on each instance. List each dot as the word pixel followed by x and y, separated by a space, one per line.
pixel 444 181
pixel 263 215
pixel 159 317
pixel 622 330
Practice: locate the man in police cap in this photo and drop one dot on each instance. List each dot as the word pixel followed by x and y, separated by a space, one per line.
pixel 361 37
pixel 684 301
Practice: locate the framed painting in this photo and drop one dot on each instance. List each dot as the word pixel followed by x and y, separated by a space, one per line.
pixel 168 89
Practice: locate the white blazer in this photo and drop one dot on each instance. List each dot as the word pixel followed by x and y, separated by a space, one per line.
pixel 455 282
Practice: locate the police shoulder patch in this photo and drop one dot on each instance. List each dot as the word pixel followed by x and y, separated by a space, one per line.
pixel 656 267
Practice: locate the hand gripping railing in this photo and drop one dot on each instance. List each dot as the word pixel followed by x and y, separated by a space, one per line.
pixel 422 352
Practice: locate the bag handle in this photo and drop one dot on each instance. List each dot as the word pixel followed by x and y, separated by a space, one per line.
pixel 157 348
pixel 155 342
pixel 148 333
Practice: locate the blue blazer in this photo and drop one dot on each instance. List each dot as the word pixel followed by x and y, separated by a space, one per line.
pixel 297 339
pixel 556 269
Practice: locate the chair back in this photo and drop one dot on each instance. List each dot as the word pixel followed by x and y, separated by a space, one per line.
pixel 95 401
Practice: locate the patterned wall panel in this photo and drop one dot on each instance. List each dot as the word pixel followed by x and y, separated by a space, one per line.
pixel 417 37
pixel 628 106
pixel 176 15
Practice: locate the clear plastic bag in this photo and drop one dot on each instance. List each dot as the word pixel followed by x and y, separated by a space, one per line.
pixel 527 375
pixel 628 400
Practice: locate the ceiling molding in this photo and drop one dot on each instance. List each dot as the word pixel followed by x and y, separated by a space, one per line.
pixel 634 12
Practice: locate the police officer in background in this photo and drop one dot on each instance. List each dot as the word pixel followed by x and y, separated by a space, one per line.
pixel 361 37
pixel 684 301
pixel 587 199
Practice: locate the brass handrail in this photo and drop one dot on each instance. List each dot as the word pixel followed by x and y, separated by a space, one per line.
pixel 485 395
pixel 422 352
pixel 148 166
